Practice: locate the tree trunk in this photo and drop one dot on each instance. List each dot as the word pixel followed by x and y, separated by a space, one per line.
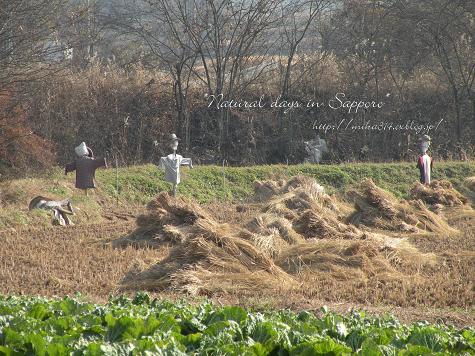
pixel 473 118
pixel 180 103
pixel 458 119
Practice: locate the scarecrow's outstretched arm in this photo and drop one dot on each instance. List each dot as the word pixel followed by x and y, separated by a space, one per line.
pixel 100 162
pixel 161 164
pixel 187 162
pixel 70 167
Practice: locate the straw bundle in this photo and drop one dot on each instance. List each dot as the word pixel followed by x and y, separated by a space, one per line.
pixel 438 192
pixel 379 209
pixel 300 229
pixel 215 256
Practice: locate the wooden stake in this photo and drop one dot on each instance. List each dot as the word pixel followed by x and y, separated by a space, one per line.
pixel 116 180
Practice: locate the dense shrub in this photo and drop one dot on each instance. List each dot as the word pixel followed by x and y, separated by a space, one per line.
pixel 124 113
pixel 21 149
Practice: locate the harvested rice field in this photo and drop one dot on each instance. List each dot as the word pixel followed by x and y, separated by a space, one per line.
pixel 292 243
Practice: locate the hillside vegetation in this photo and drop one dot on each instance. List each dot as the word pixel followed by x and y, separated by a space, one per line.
pixel 139 184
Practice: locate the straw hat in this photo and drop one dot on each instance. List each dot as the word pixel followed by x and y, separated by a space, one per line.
pixel 173 138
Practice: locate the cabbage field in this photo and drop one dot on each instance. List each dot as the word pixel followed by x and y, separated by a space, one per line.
pixel 123 326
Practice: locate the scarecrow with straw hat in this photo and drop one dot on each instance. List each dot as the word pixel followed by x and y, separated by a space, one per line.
pixel 171 164
pixel 85 166
pixel 424 162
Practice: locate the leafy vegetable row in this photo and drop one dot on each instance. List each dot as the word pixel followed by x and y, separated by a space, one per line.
pixel 40 326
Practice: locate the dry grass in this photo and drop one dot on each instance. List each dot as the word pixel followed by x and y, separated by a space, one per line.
pixel 309 255
pixel 340 259
pixel 63 260
pixel 167 221
pixel 305 209
pixel 470 182
pixel 438 192
pixel 208 256
pixel 377 208
pixel 294 238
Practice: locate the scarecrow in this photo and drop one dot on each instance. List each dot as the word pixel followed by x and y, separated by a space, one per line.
pixel 85 166
pixel 60 208
pixel 171 164
pixel 315 149
pixel 424 162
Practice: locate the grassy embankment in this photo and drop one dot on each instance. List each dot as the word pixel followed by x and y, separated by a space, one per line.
pixel 138 184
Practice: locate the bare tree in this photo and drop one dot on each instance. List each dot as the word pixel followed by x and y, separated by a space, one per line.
pixel 298 17
pixel 30 47
pixel 221 45
pixel 447 28
pixel 169 49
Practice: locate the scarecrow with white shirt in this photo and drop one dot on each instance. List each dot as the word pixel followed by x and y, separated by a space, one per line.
pixel 171 164
pixel 424 162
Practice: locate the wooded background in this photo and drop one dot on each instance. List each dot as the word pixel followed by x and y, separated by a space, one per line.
pixel 121 75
